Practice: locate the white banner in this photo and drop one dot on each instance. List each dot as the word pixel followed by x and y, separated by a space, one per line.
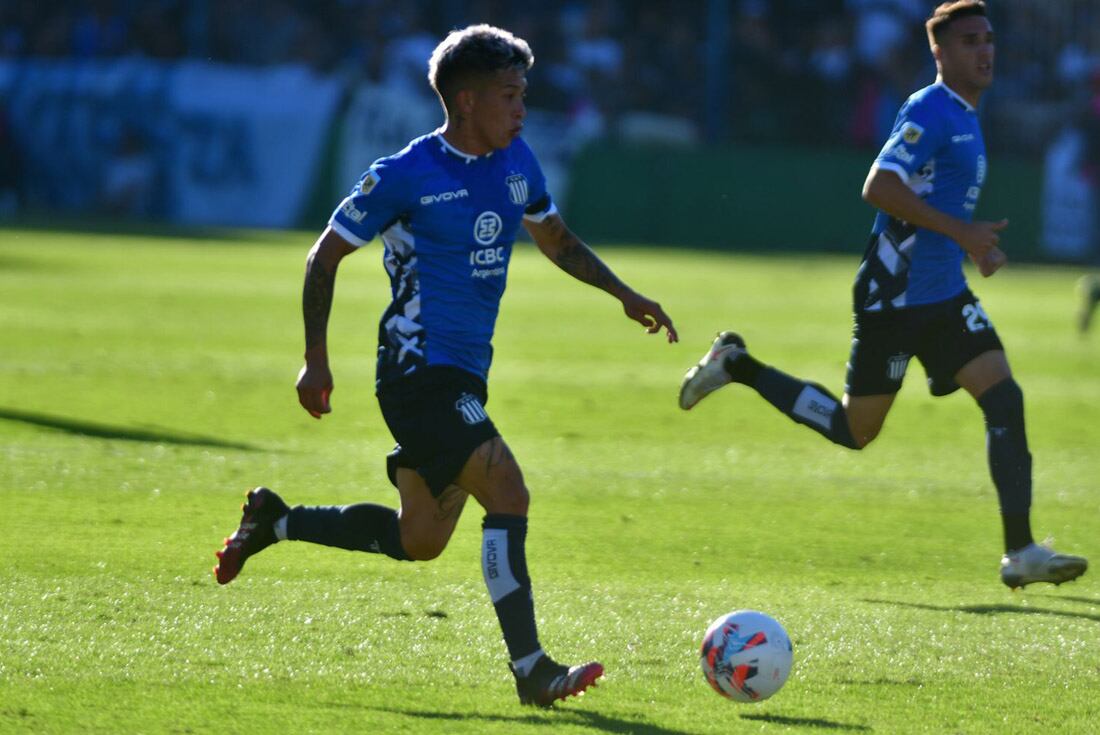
pixel 248 143
pixel 194 142
pixel 379 122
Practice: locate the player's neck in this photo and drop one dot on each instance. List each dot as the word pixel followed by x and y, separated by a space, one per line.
pixel 972 95
pixel 463 139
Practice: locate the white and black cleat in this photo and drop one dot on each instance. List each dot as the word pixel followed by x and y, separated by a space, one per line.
pixel 710 373
pixel 1040 563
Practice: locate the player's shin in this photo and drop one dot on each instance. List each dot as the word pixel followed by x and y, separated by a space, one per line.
pixel 361 527
pixel 805 403
pixel 1009 459
pixel 504 565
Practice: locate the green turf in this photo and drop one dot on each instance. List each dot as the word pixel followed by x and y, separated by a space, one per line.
pixel 146 383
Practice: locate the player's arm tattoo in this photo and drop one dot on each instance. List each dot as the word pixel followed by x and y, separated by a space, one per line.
pixel 578 260
pixel 317 299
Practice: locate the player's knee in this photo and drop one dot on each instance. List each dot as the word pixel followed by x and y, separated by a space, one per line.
pixel 512 498
pixel 1003 403
pixel 420 547
pixel 863 434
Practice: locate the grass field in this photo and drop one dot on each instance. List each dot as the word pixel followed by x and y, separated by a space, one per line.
pixel 146 383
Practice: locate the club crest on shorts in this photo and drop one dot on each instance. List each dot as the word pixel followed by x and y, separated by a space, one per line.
pixel 517 188
pixel 896 367
pixel 471 409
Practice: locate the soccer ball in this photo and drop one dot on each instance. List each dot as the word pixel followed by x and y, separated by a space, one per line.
pixel 746 656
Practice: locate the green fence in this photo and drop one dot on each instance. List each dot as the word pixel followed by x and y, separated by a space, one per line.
pixel 761 198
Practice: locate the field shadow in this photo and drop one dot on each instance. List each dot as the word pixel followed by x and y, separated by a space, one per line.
pixel 989 609
pixel 812 722
pixel 1070 598
pixel 124 433
pixel 591 720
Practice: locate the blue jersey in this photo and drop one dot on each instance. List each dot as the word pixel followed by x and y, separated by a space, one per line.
pixel 447 222
pixel 936 147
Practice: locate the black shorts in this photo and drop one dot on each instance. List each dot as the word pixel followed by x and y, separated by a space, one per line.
pixel 944 337
pixel 437 416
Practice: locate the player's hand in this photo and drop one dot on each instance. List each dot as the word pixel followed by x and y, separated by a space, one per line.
pixel 649 314
pixel 989 263
pixel 314 387
pixel 979 238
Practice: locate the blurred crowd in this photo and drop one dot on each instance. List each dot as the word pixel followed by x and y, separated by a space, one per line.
pixel 813 71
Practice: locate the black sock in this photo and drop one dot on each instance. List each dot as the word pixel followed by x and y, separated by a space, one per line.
pixel 504 565
pixel 805 403
pixel 1009 459
pixel 361 527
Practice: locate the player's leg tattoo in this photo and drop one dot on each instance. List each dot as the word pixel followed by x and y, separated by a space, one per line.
pixel 450 503
pixel 1009 459
pixel 360 527
pixel 493 453
pixel 805 403
pixel 504 565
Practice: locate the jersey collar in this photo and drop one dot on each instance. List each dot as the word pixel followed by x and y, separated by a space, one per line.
pixel 958 98
pixel 446 147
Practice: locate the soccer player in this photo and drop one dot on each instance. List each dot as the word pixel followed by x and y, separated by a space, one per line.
pixel 911 297
pixel 1088 292
pixel 447 207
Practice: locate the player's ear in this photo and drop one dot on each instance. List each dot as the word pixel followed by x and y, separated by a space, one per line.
pixel 463 101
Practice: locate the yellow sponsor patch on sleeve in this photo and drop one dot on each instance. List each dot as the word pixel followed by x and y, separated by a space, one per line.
pixel 911 132
pixel 369 182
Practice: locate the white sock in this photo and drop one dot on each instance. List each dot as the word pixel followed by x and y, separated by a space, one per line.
pixel 280 528
pixel 524 665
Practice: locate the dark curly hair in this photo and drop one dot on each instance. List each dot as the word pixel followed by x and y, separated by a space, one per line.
pixel 474 51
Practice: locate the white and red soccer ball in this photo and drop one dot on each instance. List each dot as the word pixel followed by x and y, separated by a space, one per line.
pixel 746 656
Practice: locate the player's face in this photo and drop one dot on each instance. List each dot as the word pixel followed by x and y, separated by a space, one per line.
pixel 966 54
pixel 498 109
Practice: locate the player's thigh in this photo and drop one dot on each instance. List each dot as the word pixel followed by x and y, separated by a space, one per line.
pixel 983 372
pixel 959 347
pixel 494 478
pixel 427 521
pixel 866 415
pixel 438 418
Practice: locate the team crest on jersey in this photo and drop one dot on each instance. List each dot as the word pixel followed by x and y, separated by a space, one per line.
pixel 911 132
pixel 487 228
pixel 369 182
pixel 517 188
pixel 471 409
pixel 896 367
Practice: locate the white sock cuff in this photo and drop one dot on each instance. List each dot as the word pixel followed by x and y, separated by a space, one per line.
pixel 280 528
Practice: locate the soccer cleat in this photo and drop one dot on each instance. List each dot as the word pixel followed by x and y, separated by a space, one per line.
pixel 710 374
pixel 1040 563
pixel 255 533
pixel 550 681
pixel 1088 291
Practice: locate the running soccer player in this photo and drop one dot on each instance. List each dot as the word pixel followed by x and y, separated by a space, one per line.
pixel 447 208
pixel 911 297
pixel 1088 294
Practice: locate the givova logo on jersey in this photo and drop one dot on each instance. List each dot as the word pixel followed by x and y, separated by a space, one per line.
pixel 471 410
